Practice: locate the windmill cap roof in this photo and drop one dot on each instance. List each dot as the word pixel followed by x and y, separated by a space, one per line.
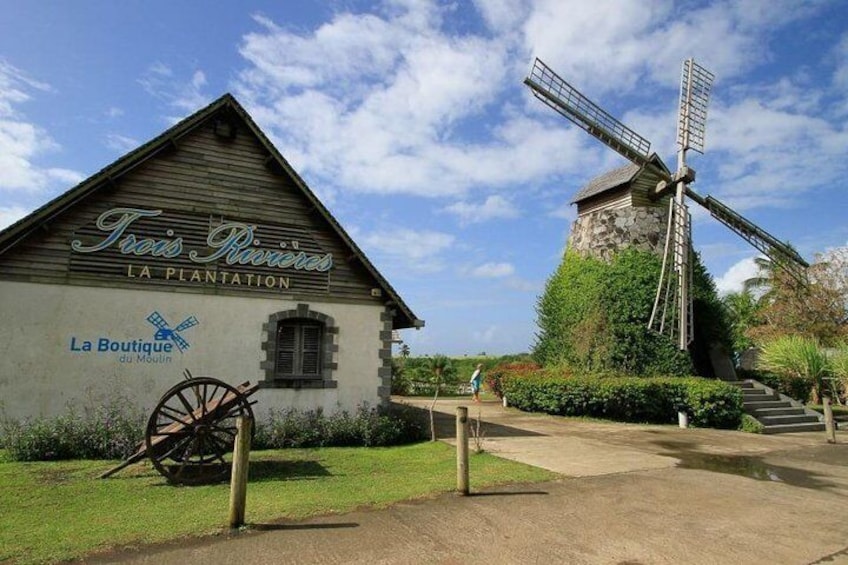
pixel 652 173
pixel 607 181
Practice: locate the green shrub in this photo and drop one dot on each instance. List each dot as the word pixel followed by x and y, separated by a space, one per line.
pixel 368 427
pixel 110 430
pixel 709 403
pixel 494 376
pixel 593 317
pixel 751 425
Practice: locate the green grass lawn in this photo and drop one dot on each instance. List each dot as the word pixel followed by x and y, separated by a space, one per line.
pixel 60 510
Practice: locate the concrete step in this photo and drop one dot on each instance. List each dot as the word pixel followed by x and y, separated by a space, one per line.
pixel 787 428
pixel 741 384
pixel 751 406
pixel 776 415
pixel 786 411
pixel 758 394
pixel 790 419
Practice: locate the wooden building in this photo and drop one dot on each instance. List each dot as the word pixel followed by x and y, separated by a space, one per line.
pixel 202 250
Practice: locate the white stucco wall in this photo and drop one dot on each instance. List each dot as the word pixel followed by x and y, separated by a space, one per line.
pixel 40 373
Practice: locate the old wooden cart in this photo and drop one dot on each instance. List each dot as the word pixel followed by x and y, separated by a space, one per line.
pixel 192 429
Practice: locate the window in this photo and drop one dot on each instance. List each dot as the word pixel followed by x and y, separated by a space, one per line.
pixel 299 349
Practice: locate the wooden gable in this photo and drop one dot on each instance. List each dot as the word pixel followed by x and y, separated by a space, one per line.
pixel 209 206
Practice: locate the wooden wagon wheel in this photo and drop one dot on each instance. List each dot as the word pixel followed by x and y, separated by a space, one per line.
pixel 193 428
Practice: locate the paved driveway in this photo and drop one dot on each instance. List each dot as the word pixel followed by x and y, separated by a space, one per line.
pixel 629 494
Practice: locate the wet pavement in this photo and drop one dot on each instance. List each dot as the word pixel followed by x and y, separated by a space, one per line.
pixel 629 494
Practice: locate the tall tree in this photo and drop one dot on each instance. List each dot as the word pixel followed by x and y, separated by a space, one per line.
pixel 741 309
pixel 817 309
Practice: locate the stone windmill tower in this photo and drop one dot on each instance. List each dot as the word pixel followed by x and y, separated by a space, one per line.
pixel 616 210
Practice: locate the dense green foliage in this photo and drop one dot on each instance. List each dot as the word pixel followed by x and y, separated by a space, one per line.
pixel 114 431
pixel 709 403
pixel 593 317
pixel 110 430
pixel 313 428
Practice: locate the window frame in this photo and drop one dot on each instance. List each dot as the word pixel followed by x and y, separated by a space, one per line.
pixel 326 358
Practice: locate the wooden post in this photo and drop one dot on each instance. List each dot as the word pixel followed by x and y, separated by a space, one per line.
pixel 462 449
pixel 829 428
pixel 238 477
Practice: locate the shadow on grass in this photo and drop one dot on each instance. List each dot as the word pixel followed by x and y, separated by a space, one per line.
pixel 271 470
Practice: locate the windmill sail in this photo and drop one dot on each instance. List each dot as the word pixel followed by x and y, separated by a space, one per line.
pixel 779 252
pixel 551 89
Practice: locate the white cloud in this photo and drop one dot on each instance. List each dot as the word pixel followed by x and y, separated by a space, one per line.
pixel 522 285
pixel 732 280
pixel 414 250
pixel 121 143
pixel 22 142
pixel 374 103
pixel 503 16
pixel 609 45
pixel 493 207
pixel 564 212
pixel 11 214
pixel 486 336
pixel 493 270
pixel 185 95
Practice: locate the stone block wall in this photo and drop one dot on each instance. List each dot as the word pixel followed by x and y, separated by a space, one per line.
pixel 600 234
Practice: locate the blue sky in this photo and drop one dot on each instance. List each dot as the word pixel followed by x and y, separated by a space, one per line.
pixel 410 121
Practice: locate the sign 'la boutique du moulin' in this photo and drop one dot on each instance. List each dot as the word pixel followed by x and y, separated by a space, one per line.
pixel 233 244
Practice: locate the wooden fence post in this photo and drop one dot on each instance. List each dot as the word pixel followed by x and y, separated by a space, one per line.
pixel 238 477
pixel 829 426
pixel 462 450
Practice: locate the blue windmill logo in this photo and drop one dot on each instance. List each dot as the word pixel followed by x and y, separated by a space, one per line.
pixel 164 332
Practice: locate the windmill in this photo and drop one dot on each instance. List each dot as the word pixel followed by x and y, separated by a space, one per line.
pixel 672 311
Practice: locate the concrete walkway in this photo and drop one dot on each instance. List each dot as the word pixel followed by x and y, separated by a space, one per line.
pixel 629 494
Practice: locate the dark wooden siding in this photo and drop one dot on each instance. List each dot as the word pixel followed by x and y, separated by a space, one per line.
pixel 199 182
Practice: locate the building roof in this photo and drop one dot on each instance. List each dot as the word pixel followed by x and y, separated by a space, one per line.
pixel 617 177
pixel 103 179
pixel 607 181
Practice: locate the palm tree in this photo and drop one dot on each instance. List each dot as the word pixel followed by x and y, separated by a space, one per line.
pixel 803 357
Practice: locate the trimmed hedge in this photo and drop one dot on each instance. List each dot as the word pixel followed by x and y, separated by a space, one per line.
pixel 709 403
pixel 494 376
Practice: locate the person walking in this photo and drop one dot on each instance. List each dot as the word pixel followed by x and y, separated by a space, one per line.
pixel 476 381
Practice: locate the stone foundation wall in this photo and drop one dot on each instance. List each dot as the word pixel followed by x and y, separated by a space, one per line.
pixel 600 234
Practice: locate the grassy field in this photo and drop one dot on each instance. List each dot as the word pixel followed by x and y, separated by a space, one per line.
pixel 60 510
